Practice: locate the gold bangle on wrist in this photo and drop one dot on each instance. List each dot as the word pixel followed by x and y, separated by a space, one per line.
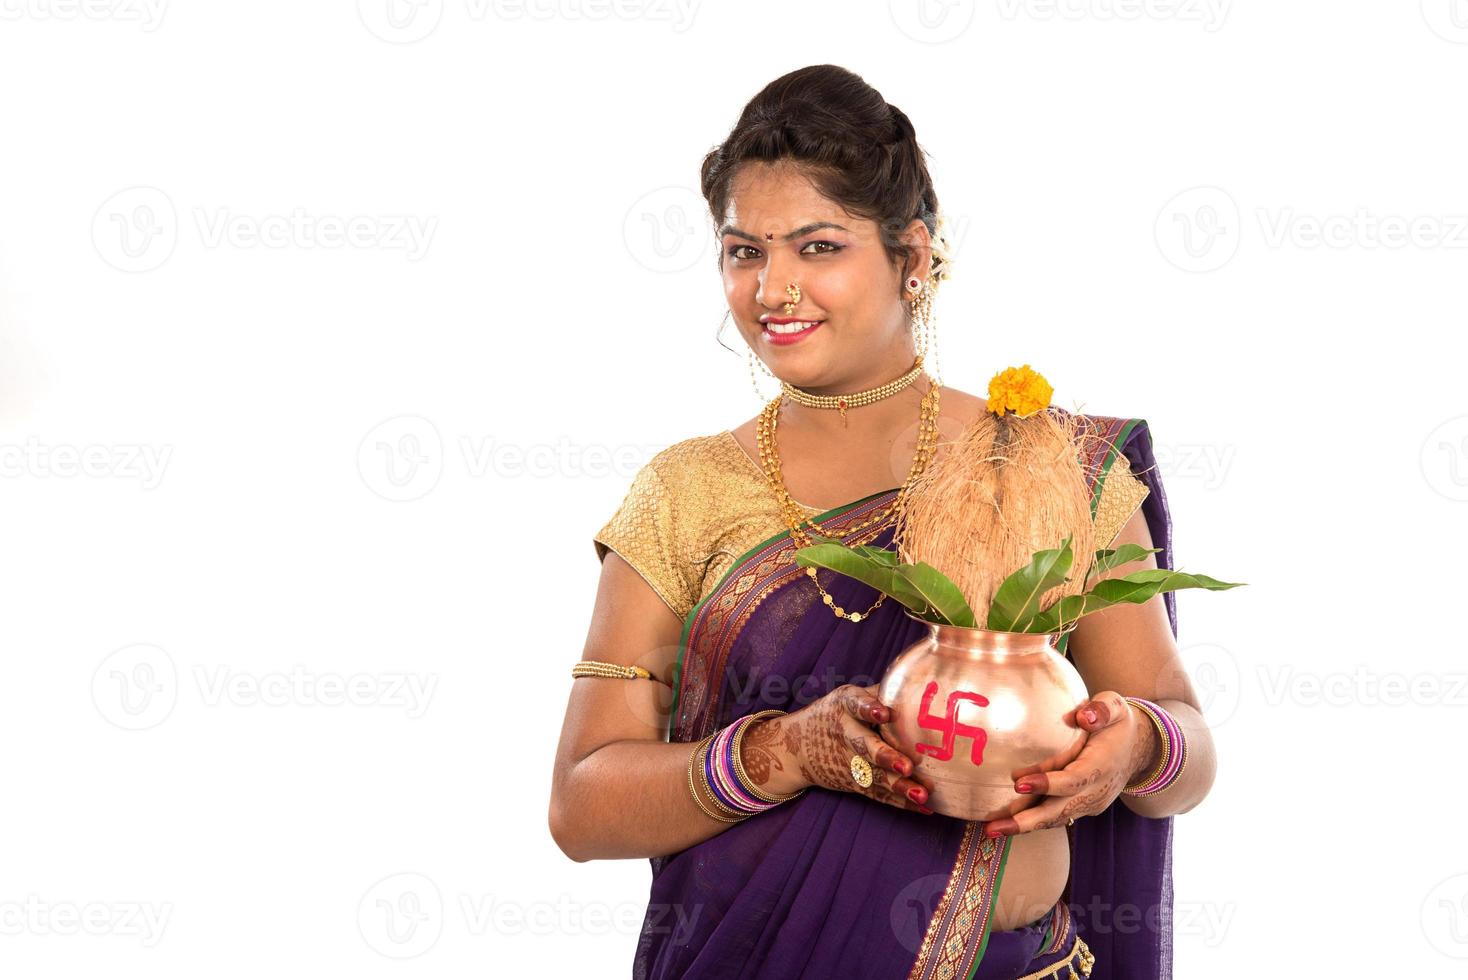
pixel 744 779
pixel 1174 750
pixel 1164 744
pixel 695 761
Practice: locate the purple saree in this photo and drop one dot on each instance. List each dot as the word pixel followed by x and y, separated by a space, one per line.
pixel 834 884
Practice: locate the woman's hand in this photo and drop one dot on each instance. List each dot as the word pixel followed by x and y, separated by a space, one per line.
pixel 820 739
pixel 1117 747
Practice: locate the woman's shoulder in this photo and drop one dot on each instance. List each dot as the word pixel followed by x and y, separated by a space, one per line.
pixel 1094 420
pixel 711 453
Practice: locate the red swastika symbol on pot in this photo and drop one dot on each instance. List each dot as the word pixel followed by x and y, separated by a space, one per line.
pixel 950 726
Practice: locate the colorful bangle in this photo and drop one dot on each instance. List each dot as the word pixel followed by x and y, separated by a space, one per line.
pixel 1174 755
pixel 724 771
pixel 721 779
pixel 695 761
pixel 736 754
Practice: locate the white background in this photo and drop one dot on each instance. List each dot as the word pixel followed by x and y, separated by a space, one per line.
pixel 259 481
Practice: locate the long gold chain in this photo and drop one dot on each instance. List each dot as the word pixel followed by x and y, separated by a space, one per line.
pixel 927 440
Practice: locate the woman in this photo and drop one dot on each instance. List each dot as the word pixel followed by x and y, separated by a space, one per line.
pixel 830 256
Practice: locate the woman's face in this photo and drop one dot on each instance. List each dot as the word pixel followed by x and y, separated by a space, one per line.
pixel 778 229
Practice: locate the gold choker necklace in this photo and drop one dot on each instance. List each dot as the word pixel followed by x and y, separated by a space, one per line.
pixel 856 399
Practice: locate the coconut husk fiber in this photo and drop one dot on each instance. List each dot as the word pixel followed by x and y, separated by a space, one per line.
pixel 1004 489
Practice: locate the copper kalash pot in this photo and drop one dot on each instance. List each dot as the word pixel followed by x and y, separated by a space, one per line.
pixel 970 706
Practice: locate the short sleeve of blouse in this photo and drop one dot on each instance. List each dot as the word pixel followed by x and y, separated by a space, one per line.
pixel 643 531
pixel 1121 494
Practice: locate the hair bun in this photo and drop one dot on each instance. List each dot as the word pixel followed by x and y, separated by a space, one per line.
pixel 902 125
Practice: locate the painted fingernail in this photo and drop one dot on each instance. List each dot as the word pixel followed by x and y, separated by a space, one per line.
pixel 1023 788
pixel 1090 715
pixel 923 809
pixel 917 795
pixel 992 831
pixel 904 767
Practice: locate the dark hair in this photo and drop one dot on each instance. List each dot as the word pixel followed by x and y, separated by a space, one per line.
pixel 857 149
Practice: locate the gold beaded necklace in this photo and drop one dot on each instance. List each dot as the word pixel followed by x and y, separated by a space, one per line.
pixel 842 402
pixel 770 460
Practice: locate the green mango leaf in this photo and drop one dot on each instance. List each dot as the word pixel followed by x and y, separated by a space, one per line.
pixel 934 597
pixel 1063 612
pixel 882 556
pixel 921 588
pixel 885 556
pixel 938 590
pixel 1170 581
pixel 1017 600
pixel 1137 587
pixel 1109 558
pixel 913 598
pixel 847 561
pixel 864 568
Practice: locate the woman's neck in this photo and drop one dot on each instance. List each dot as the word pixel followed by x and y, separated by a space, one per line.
pixel 891 415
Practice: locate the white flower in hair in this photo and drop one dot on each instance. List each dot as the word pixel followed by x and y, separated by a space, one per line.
pixel 942 250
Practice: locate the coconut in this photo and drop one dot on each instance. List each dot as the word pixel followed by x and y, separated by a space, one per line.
pixel 1006 487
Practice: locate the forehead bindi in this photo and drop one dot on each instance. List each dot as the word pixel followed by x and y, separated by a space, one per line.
pixel 808 228
pixel 780 207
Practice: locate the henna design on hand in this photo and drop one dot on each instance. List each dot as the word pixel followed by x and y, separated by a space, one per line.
pixel 758 750
pixel 793 741
pixel 822 742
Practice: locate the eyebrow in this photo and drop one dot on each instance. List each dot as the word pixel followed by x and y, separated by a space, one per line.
pixel 803 230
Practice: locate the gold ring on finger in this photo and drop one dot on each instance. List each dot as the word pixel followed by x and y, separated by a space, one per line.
pixel 861 771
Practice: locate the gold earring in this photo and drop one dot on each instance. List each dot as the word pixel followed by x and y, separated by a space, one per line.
pixel 924 333
pixel 793 291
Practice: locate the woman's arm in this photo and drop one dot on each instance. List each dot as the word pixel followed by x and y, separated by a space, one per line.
pixel 619 790
pixel 1130 649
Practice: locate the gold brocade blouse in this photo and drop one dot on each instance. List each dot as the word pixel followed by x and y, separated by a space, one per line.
pixel 700 504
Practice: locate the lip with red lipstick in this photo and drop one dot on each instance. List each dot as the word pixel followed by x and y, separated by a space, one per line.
pixel 791 329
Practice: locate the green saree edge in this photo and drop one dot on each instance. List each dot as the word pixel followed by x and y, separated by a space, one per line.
pixel 693 613
pixel 1110 458
pixel 989 919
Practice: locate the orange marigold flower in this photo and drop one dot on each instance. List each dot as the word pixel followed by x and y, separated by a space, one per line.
pixel 1019 390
